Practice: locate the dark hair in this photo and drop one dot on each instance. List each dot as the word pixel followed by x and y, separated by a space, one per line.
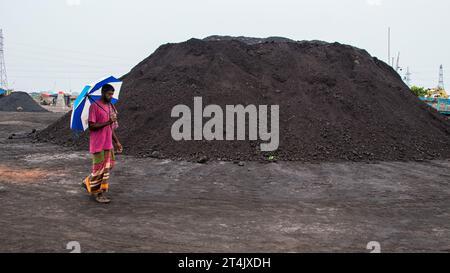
pixel 107 87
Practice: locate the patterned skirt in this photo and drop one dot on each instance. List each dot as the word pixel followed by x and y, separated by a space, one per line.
pixel 102 164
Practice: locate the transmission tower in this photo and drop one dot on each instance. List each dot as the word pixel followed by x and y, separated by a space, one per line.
pixel 389 46
pixel 441 77
pixel 408 77
pixel 3 78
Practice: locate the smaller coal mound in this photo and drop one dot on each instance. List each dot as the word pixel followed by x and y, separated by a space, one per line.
pixel 20 102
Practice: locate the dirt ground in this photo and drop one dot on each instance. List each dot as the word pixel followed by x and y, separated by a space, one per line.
pixel 166 206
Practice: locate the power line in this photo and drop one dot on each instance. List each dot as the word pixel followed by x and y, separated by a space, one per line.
pixel 56 78
pixel 50 55
pixel 53 49
pixel 65 60
pixel 13 70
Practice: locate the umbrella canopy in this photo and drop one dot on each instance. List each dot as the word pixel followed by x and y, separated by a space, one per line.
pixel 90 94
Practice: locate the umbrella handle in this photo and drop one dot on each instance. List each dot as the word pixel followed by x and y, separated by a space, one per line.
pixel 89 97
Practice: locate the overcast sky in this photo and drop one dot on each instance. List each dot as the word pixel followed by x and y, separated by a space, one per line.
pixel 62 44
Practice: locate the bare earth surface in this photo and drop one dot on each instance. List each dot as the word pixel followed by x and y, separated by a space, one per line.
pixel 166 206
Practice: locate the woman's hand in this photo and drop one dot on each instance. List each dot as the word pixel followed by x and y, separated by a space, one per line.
pixel 119 148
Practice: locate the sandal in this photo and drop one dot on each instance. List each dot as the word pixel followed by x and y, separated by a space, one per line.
pixel 100 198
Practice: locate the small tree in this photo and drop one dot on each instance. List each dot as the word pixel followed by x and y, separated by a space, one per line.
pixel 419 91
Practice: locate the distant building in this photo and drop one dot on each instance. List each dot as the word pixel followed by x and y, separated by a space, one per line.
pixel 436 93
pixel 72 99
pixel 4 92
pixel 59 99
pixel 442 105
pixel 35 95
pixel 47 99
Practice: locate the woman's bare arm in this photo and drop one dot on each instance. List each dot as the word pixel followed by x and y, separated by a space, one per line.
pixel 100 125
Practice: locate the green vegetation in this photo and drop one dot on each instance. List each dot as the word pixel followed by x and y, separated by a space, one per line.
pixel 419 91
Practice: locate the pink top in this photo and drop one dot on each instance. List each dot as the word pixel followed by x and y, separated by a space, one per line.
pixel 100 139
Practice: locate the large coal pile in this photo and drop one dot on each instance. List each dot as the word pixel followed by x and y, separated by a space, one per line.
pixel 336 103
pixel 20 101
pixel 249 40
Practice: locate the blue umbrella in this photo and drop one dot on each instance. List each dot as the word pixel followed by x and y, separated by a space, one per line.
pixel 90 94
